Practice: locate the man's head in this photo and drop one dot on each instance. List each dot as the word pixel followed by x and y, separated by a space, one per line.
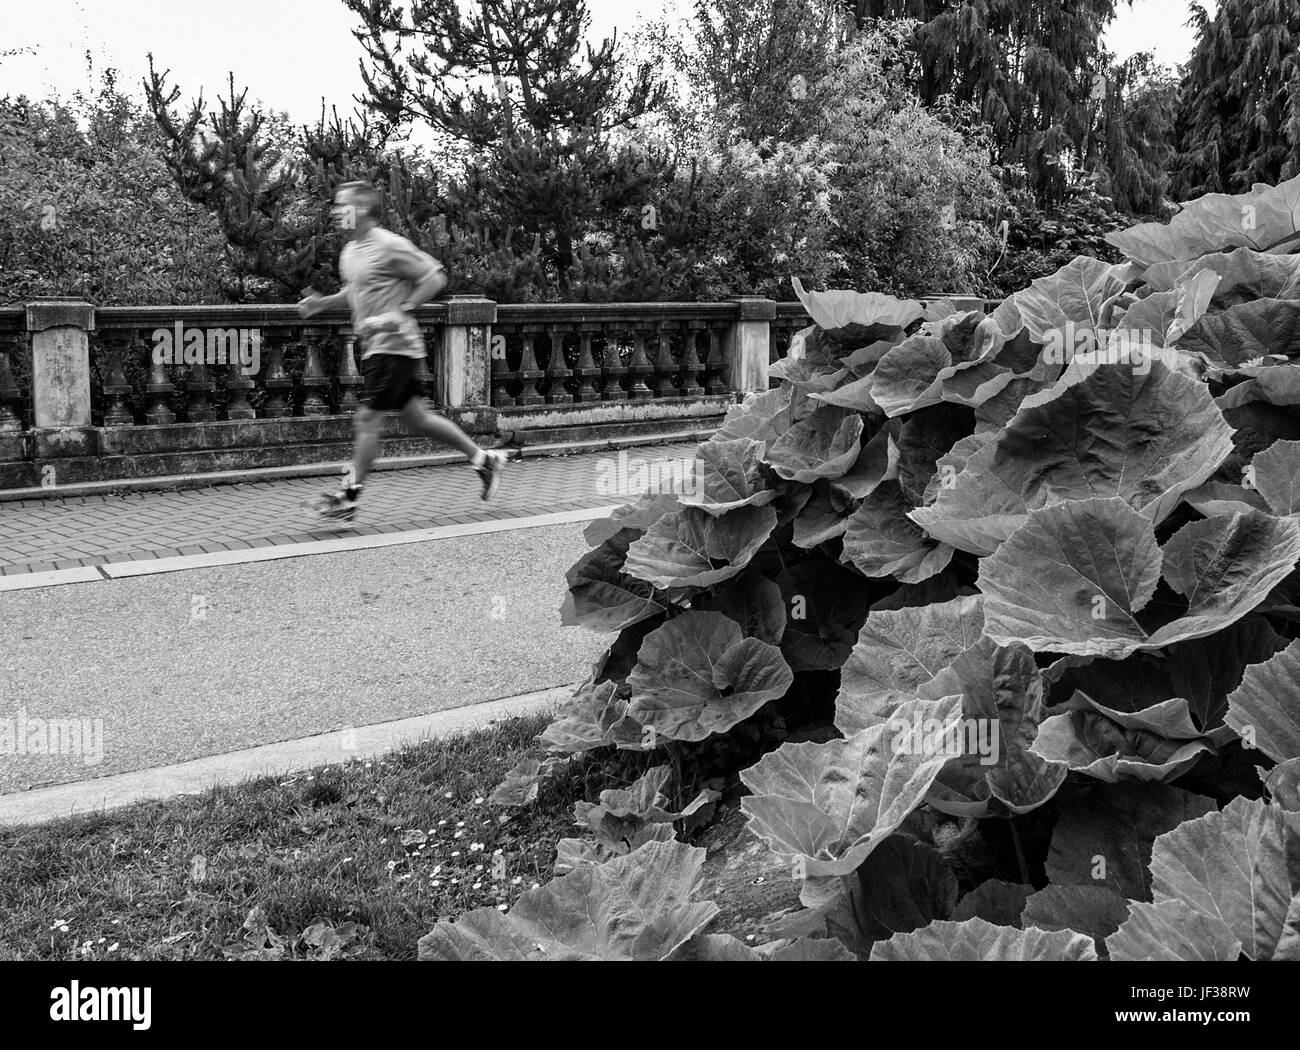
pixel 356 207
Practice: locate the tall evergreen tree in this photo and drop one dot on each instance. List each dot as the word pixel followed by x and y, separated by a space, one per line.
pixel 1239 115
pixel 509 80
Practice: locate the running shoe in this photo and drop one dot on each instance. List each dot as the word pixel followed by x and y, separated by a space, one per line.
pixel 490 472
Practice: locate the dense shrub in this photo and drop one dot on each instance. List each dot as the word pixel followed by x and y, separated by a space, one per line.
pixel 1043 562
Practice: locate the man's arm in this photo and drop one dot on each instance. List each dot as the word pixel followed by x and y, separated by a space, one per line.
pixel 314 303
pixel 427 274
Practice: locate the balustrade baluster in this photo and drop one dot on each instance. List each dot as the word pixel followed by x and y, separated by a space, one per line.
pixel 586 370
pixel 557 369
pixel 349 376
pixel 238 384
pixel 528 370
pixel 691 366
pixel 159 389
pixel 715 364
pixel 611 365
pixel 10 395
pixel 277 380
pixel 314 380
pixel 639 368
pixel 116 388
pixel 665 367
pixel 199 386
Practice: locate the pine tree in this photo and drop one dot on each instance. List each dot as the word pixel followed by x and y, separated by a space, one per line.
pixel 1239 112
pixel 507 79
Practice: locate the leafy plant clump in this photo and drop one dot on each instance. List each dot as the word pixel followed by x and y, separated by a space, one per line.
pixel 1041 565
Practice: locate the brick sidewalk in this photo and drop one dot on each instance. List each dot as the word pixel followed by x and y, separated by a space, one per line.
pixel 40 535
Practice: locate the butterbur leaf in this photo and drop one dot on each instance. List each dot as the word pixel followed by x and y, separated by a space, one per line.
pixel 590 720
pixel 1214 223
pixel 601 596
pixel 636 907
pixel 823 445
pixel 696 675
pixel 1277 476
pixel 1265 709
pixel 1246 331
pixel 819 521
pixel 976 940
pixel 522 782
pixel 762 417
pixel 996 901
pixel 1105 837
pixel 1240 865
pixel 826 605
pixel 1002 704
pixel 755 602
pixel 690 548
pixel 1283 785
pixel 899 651
pixel 1074 295
pixel 923 440
pixel 1244 274
pixel 840 309
pixel 1158 743
pixel 880 540
pixel 728 474
pixel 876 463
pixel 1172 931
pixel 834 803
pixel 639 515
pixel 1145 439
pixel 904 380
pixel 1094 910
pixel 1217 498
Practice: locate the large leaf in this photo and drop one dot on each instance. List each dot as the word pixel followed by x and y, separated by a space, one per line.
pixel 904 378
pixel 825 605
pixel 1172 931
pixel 1244 274
pixel 601 596
pixel 897 652
pixel 841 309
pixel 639 515
pixel 690 548
pixel 1105 837
pixel 996 901
pixel 823 445
pixel 635 907
pixel 1157 743
pixel 881 540
pixel 1073 296
pixel 924 439
pixel 976 940
pixel 754 601
pixel 1265 709
pixel 1277 476
pixel 1094 910
pixel 833 803
pixel 697 675
pixel 1145 439
pixel 1245 331
pixel 1002 704
pixel 1074 577
pixel 594 717
pixel 1240 865
pixel 762 417
pixel 1262 219
pixel 820 520
pixel 729 474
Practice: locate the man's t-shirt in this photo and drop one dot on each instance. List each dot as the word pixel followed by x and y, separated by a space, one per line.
pixel 379 271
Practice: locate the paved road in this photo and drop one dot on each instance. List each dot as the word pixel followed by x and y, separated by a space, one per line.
pixel 187 664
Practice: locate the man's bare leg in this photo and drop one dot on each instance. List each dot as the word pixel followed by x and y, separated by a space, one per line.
pixel 433 425
pixel 366 424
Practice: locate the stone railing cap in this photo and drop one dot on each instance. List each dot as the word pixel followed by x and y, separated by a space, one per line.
pixel 56 312
pixel 470 309
pixel 755 308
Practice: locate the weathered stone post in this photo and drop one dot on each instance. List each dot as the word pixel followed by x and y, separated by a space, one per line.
pixel 466 365
pixel 60 331
pixel 748 342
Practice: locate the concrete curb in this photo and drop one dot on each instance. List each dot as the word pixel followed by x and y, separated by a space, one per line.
pixel 201 774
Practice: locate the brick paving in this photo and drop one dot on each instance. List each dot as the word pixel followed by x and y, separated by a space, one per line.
pixel 40 535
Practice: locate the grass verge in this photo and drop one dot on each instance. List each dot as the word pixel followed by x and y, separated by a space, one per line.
pixel 356 860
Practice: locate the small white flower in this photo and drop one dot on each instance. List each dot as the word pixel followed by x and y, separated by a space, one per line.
pixel 478 801
pixel 516 880
pixel 447 795
pixel 113 947
pixel 477 886
pixel 503 907
pixel 455 853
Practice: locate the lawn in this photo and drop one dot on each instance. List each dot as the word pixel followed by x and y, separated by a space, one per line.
pixel 356 860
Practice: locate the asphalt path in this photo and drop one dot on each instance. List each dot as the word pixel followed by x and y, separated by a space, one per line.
pixel 183 665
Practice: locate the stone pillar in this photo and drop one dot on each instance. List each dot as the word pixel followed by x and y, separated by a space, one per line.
pixel 748 342
pixel 60 331
pixel 466 365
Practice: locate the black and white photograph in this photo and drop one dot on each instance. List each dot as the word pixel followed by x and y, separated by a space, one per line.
pixel 692 481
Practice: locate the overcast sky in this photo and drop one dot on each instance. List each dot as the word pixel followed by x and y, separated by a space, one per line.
pixel 291 53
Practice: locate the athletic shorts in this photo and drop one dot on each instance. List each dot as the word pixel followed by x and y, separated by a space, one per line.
pixel 389 381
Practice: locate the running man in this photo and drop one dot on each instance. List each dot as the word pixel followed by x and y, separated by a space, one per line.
pixel 385 277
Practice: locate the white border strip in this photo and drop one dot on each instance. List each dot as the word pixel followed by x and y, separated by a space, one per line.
pixel 334 545
pixel 287 756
